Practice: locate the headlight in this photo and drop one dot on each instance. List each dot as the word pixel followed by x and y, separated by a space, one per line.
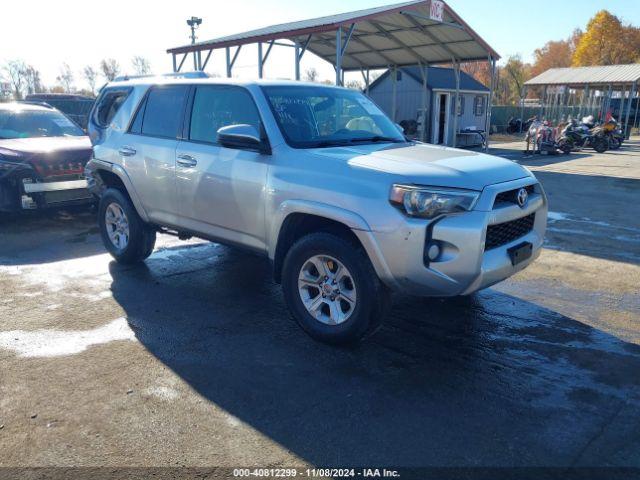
pixel 429 202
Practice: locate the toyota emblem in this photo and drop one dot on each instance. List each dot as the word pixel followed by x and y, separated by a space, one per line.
pixel 522 197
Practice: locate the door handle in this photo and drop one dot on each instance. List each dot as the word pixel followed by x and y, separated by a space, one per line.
pixel 188 161
pixel 127 151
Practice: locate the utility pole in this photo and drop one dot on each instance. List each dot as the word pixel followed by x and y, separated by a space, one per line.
pixel 194 23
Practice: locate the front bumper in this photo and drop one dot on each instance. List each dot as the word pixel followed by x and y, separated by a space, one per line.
pixel 463 266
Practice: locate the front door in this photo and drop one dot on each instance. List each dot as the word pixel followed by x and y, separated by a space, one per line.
pixel 441 119
pixel 221 191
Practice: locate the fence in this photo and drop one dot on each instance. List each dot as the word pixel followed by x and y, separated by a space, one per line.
pixel 500 114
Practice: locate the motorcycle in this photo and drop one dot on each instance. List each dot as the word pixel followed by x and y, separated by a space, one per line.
pixel 542 136
pixel 614 134
pixel 576 137
pixel 515 124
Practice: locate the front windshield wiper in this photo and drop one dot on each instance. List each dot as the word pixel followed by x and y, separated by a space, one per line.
pixel 376 139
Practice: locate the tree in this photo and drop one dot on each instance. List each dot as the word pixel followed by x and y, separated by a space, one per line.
pixel 16 72
pixel 32 80
pixel 110 68
pixel 516 72
pixel 554 54
pixel 66 78
pixel 311 75
pixel 607 42
pixel 141 65
pixel 355 85
pixel 90 74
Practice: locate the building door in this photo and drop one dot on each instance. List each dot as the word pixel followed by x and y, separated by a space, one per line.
pixel 441 119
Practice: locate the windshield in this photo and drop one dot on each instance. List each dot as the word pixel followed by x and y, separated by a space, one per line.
pixel 311 117
pixel 36 123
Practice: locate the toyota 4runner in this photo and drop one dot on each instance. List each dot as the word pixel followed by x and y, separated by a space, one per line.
pixel 318 179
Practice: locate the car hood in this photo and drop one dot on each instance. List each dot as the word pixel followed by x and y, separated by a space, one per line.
pixel 49 156
pixel 424 164
pixel 45 144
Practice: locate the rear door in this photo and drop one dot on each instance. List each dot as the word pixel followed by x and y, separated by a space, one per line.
pixel 221 190
pixel 148 150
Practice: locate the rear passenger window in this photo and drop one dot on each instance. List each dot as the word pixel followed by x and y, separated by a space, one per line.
pixel 217 107
pixel 163 111
pixel 109 104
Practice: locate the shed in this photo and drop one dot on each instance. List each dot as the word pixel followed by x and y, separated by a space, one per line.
pixel 441 89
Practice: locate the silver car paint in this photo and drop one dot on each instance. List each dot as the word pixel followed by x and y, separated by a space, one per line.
pixel 243 197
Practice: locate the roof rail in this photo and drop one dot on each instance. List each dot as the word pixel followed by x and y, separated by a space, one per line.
pixel 124 78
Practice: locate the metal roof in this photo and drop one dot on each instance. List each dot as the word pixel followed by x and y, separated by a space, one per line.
pixel 400 34
pixel 439 78
pixel 605 75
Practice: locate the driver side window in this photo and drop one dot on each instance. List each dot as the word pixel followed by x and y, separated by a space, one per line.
pixel 215 107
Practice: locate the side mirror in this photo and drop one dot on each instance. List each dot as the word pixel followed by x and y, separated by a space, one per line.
pixel 242 137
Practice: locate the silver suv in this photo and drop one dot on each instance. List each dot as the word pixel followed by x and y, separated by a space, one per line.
pixel 318 179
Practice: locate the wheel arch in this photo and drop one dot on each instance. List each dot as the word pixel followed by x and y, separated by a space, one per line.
pixel 103 175
pixel 296 219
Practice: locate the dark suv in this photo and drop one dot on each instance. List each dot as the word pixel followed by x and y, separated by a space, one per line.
pixel 42 158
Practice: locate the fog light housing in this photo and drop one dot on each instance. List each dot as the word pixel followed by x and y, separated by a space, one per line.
pixel 432 252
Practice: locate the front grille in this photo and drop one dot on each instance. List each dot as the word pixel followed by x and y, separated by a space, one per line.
pixel 503 233
pixel 511 196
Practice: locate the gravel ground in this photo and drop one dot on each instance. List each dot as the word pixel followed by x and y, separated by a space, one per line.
pixel 192 359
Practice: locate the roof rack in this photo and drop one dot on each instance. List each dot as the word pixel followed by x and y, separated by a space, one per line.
pixel 124 78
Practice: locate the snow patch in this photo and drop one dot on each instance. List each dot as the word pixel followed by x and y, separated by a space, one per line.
pixel 60 343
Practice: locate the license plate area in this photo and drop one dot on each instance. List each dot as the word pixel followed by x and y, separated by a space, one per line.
pixel 520 252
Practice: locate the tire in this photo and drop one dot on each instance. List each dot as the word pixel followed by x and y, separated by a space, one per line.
pixel 141 237
pixel 372 298
pixel 564 147
pixel 600 145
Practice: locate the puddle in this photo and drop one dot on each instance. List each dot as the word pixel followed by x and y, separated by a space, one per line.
pixel 60 343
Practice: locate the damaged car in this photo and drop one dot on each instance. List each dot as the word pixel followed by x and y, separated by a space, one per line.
pixel 42 158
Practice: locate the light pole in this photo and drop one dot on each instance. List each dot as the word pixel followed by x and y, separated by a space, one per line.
pixel 194 23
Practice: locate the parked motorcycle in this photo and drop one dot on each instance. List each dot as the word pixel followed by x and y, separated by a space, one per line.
pixel 541 136
pixel 576 137
pixel 614 134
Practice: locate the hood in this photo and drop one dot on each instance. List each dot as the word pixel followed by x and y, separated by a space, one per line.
pixel 424 164
pixel 49 156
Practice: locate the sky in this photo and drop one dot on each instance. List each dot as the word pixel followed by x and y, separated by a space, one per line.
pixel 82 32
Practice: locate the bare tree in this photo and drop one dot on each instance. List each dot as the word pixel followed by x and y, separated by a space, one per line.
pixel 16 72
pixel 110 68
pixel 355 85
pixel 90 74
pixel 32 80
pixel 141 65
pixel 66 78
pixel 311 75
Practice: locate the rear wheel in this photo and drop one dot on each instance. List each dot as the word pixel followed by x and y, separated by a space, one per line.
pixel 332 290
pixel 124 234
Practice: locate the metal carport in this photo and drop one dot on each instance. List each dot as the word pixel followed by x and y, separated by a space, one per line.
pixel 419 32
pixel 587 90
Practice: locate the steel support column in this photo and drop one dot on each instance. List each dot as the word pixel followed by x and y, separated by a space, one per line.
pixel 456 103
pixel 585 93
pixel 424 70
pixel 339 56
pixel 523 95
pixel 175 63
pixel 394 97
pixel 492 66
pixel 260 64
pixel 632 92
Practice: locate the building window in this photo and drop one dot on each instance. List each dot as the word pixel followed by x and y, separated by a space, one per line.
pixel 460 104
pixel 478 106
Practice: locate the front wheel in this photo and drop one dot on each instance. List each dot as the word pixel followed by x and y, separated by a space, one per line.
pixel 600 145
pixel 332 290
pixel 124 234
